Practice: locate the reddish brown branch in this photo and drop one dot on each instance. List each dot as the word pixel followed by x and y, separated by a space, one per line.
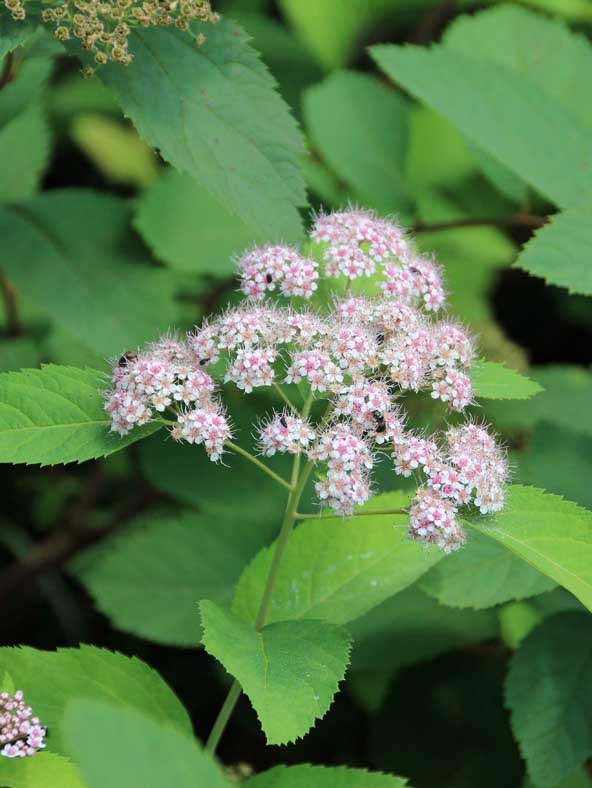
pixel 6 76
pixel 10 297
pixel 61 546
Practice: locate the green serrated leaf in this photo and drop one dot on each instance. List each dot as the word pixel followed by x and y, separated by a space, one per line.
pixel 149 579
pixel 189 229
pixel 50 679
pixel 323 777
pixel 45 769
pixel 474 93
pixel 218 118
pixel 336 570
pixel 142 751
pixel 290 670
pixel 13 33
pixel 55 415
pixel 370 158
pixel 540 48
pixel 492 380
pixel 559 252
pixel 549 693
pixel 483 574
pixel 75 244
pixel 552 534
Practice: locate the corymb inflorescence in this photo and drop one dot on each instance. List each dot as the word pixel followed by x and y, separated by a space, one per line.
pixel 308 318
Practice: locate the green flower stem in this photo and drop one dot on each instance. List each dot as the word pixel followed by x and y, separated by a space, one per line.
pixel 285 397
pixel 248 456
pixel 363 513
pixel 297 485
pixel 282 542
pixel 261 465
pixel 224 715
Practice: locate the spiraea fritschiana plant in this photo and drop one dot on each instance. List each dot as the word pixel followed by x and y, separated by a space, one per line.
pixel 359 355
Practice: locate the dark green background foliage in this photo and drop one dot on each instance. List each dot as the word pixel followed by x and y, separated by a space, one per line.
pixel 122 203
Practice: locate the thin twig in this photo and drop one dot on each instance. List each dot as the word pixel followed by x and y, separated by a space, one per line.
pixel 432 23
pixel 10 297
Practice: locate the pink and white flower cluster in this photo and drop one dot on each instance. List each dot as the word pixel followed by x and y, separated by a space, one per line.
pixel 471 469
pixel 285 433
pixel 349 460
pixel 21 734
pixel 360 353
pixel 269 267
pixel 168 376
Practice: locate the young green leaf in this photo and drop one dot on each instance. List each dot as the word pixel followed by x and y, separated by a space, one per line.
pixel 141 750
pixel 166 219
pixel 290 670
pixel 371 156
pixel 323 777
pixel 549 692
pixel 552 534
pixel 55 415
pixel 474 93
pixel 337 569
pixel 149 579
pixel 74 244
pixel 483 574
pixel 331 30
pixel 559 252
pixel 495 381
pixel 45 769
pixel 218 118
pixel 115 149
pixel 50 679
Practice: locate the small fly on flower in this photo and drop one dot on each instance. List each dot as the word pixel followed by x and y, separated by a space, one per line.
pixel 127 358
pixel 380 422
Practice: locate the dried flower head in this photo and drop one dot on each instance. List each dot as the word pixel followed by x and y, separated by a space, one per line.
pixel 103 27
